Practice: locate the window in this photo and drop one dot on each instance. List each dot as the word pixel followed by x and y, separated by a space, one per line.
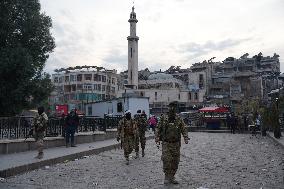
pixel 108 88
pixel 196 96
pixel 99 87
pixel 113 89
pixel 79 77
pixel 119 107
pixel 66 78
pixel 156 95
pixel 73 77
pixel 131 53
pixel 79 87
pixel 179 96
pixel 103 88
pixel 73 87
pixel 88 86
pixel 103 78
pixel 55 79
pixel 88 77
pixel 189 96
pixel 97 77
pixel 60 79
pixel 113 81
pixel 201 81
pixel 90 110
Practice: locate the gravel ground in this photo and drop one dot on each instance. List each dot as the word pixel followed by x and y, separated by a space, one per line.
pixel 210 160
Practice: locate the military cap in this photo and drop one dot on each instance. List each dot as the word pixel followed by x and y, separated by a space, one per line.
pixel 173 104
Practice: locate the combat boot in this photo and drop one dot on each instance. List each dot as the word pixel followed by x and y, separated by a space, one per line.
pixel 143 153
pixel 166 181
pixel 40 155
pixel 127 161
pixel 137 155
pixel 173 181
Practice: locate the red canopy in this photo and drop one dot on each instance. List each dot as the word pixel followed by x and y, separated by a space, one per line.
pixel 214 109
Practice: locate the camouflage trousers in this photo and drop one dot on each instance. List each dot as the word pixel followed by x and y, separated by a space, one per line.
pixel 39 142
pixel 142 140
pixel 170 158
pixel 128 144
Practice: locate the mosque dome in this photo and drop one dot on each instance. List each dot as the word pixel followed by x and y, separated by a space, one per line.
pixel 158 76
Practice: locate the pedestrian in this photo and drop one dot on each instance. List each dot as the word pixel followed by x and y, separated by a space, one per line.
pixel 257 122
pixel 62 123
pixel 245 121
pixel 128 134
pixel 228 117
pixel 233 123
pixel 39 126
pixel 141 120
pixel 169 131
pixel 153 123
pixel 71 123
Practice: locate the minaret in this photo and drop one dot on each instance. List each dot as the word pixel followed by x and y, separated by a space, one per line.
pixel 133 52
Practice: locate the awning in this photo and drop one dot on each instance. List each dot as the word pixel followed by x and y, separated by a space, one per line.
pixel 214 109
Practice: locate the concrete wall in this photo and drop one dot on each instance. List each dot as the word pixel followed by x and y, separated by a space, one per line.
pixel 20 145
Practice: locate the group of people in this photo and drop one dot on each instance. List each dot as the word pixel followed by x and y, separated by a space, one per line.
pixel 131 132
pixel 243 122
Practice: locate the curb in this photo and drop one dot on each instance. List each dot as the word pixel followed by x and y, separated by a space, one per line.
pixel 275 140
pixel 32 166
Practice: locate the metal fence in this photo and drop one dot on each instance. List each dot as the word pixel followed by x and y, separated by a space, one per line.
pixel 19 127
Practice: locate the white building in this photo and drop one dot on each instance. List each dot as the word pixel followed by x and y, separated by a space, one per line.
pixel 117 106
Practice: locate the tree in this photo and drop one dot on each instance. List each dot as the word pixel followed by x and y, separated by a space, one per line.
pixel 25 44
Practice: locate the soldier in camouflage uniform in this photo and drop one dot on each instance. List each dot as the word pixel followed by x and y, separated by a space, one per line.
pixel 39 127
pixel 127 133
pixel 169 131
pixel 141 120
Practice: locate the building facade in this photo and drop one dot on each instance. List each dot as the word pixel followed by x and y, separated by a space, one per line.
pixel 76 87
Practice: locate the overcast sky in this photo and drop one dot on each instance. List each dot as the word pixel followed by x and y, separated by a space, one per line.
pixel 171 32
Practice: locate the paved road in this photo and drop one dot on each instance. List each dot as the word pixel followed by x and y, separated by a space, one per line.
pixel 211 160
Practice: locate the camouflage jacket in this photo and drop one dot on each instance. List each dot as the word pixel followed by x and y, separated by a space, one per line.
pixel 142 123
pixel 40 123
pixel 162 129
pixel 127 128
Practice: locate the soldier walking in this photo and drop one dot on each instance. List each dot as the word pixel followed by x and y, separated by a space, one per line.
pixel 128 133
pixel 39 126
pixel 141 120
pixel 169 131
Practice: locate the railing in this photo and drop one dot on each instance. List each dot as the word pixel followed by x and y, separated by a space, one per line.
pixel 19 127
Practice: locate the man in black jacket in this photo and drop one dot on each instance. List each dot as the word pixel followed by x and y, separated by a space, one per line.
pixel 71 123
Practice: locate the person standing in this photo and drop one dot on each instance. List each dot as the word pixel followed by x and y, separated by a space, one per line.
pixel 71 123
pixel 141 120
pixel 39 126
pixel 153 123
pixel 169 131
pixel 128 134
pixel 233 123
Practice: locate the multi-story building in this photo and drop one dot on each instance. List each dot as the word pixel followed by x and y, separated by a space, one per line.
pixel 79 85
pixel 245 78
